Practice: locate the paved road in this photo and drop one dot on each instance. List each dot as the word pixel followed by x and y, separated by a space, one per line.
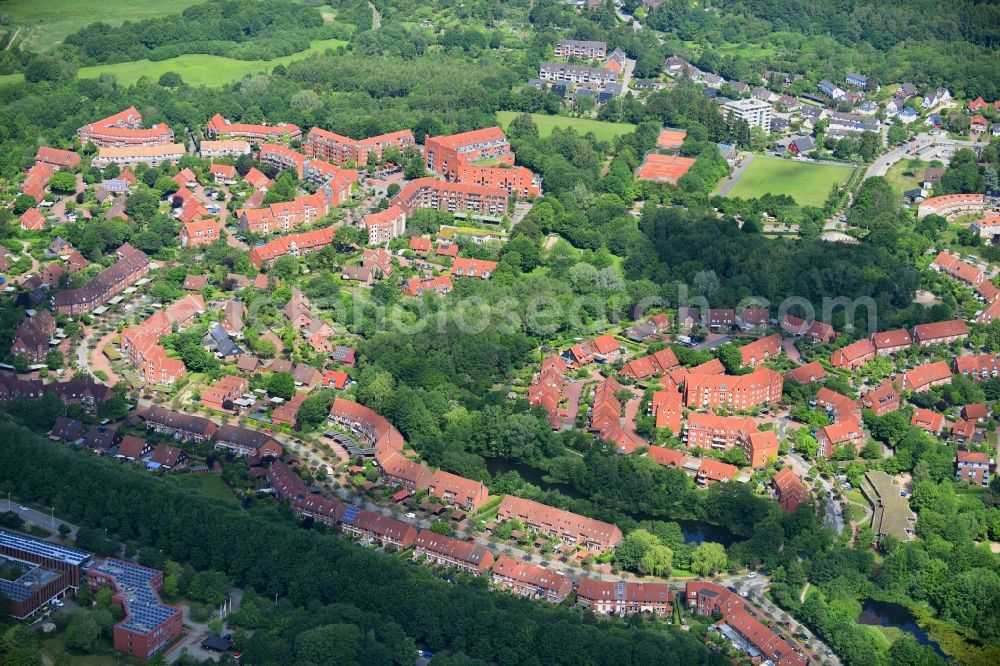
pixel 754 588
pixel 41 518
pixel 728 185
pixel 881 165
pixel 833 512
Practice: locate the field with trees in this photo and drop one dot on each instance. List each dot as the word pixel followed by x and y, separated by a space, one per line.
pixel 807 183
pixel 198 69
pixel 604 131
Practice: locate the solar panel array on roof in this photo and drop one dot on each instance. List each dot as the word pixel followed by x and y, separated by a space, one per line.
pixel 42 548
pixel 350 514
pixel 143 607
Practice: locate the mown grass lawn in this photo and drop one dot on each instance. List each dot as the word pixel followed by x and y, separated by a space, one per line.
pixel 44 24
pixel 604 131
pixel 809 184
pixel 199 69
pixel 904 175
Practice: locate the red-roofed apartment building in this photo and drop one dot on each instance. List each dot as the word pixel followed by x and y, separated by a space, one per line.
pixel 295 245
pixel 36 180
pixel 667 408
pixel 444 550
pixel 847 431
pixel 942 332
pixel 200 232
pixel 530 580
pixel 445 155
pixel 972 467
pixel 220 128
pixel 882 400
pixel 741 625
pixel 124 129
pixel 224 392
pixel 517 180
pixel 709 431
pixel 452 197
pixel 761 350
pixel 340 149
pixel 927 376
pixel 789 489
pixel 61 159
pixel 742 392
pixel 286 215
pixel 480 268
pixel 977 366
pixel 141 344
pixel 561 524
pixel 656 363
pixel 817 331
pixel 384 225
pixel 625 598
pixel 853 355
pixel 891 342
pixel 714 471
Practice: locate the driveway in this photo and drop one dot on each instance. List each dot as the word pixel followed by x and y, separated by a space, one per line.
pixel 728 185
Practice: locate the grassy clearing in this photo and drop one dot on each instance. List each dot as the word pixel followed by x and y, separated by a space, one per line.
pixel 45 24
pixel 198 69
pixel 809 184
pixel 604 131
pixel 209 484
pixel 903 175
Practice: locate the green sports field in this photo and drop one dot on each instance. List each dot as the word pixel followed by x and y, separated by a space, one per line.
pixel 43 24
pixel 604 131
pixel 809 184
pixel 197 69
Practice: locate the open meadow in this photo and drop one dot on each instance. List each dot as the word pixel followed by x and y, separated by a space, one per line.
pixel 44 24
pixel 604 131
pixel 808 183
pixel 198 69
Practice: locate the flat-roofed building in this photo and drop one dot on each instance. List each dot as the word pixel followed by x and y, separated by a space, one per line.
pixel 36 571
pixel 149 624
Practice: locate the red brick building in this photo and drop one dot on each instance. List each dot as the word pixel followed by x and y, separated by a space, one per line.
pixel 220 128
pixel 972 467
pixel 882 400
pixel 941 332
pixel 530 580
pixel 132 264
pixel 340 149
pixel 789 489
pixel 561 524
pixel 741 392
pixel 124 129
pixel 761 350
pixel 624 597
pixel 444 550
pixel 446 155
pixel 927 376
pixel 149 624
pixel 853 355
